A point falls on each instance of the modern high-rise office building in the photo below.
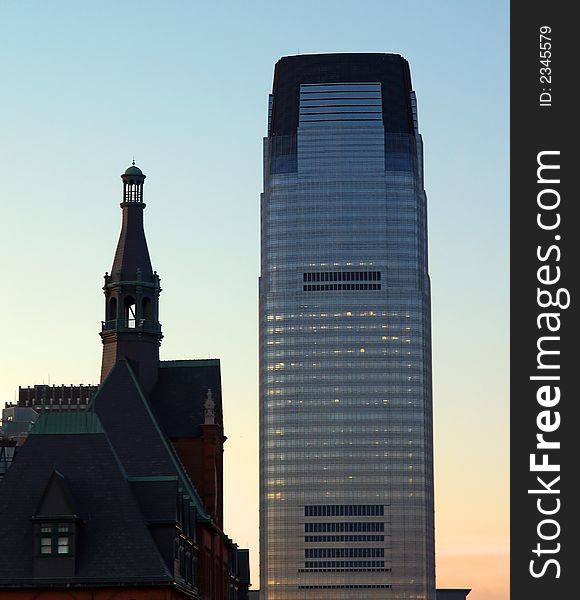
(346, 459)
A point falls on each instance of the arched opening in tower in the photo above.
(129, 315)
(112, 316)
(146, 309)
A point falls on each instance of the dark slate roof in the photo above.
(118, 474)
(157, 497)
(135, 434)
(114, 542)
(178, 399)
(130, 425)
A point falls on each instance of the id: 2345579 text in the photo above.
(545, 69)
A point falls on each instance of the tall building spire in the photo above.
(131, 329)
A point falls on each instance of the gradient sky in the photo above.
(182, 87)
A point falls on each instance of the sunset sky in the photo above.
(182, 86)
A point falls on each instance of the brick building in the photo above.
(56, 397)
(123, 499)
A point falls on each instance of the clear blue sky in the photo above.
(182, 87)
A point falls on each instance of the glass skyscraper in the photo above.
(346, 458)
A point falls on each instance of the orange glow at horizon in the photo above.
(487, 575)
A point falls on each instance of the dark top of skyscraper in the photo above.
(391, 70)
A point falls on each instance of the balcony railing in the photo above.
(137, 324)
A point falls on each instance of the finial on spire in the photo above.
(209, 409)
(133, 163)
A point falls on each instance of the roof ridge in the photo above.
(182, 473)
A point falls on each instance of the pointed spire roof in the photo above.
(132, 261)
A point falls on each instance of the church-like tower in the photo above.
(131, 329)
(142, 464)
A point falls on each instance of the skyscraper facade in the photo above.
(346, 459)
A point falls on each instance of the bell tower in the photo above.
(131, 329)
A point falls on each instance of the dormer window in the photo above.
(55, 539)
(56, 528)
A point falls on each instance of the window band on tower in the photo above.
(346, 527)
(316, 281)
(382, 586)
(335, 566)
(344, 510)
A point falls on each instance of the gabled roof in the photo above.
(57, 499)
(116, 544)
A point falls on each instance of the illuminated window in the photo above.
(46, 545)
(55, 539)
(63, 545)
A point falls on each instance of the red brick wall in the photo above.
(202, 458)
(213, 564)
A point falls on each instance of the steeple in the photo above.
(132, 255)
(131, 329)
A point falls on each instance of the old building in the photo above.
(14, 428)
(124, 499)
(56, 397)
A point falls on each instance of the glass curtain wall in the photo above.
(346, 477)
